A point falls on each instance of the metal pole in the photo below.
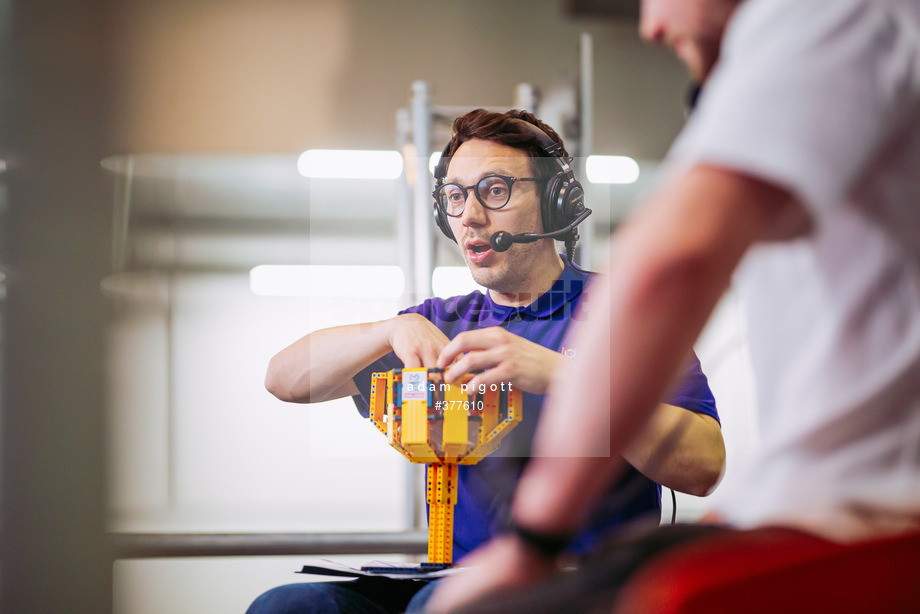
(123, 174)
(422, 224)
(404, 241)
(423, 244)
(586, 144)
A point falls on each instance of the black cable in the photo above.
(673, 506)
(570, 253)
(569, 242)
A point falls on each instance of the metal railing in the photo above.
(163, 545)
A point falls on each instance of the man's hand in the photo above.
(504, 356)
(502, 564)
(415, 340)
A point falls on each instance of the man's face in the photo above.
(691, 28)
(509, 271)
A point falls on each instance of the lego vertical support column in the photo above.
(442, 425)
(442, 496)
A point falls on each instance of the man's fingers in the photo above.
(472, 361)
(501, 374)
(430, 356)
(469, 341)
(424, 356)
(450, 351)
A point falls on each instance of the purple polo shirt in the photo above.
(486, 489)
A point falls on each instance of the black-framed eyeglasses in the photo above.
(492, 191)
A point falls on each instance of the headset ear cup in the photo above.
(440, 171)
(574, 202)
(573, 206)
(549, 204)
(563, 200)
(440, 219)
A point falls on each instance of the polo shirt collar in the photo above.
(568, 286)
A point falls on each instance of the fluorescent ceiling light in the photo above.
(453, 281)
(611, 169)
(334, 281)
(350, 164)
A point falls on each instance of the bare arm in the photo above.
(680, 449)
(671, 265)
(321, 365)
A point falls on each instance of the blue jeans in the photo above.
(361, 596)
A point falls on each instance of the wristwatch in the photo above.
(547, 545)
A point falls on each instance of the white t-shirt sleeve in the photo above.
(805, 94)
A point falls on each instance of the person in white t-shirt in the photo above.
(795, 178)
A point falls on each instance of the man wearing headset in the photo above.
(504, 190)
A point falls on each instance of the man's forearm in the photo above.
(319, 366)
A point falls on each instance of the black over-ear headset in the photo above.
(562, 204)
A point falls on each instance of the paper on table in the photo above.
(379, 569)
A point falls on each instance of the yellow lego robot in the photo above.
(442, 425)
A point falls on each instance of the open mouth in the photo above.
(477, 253)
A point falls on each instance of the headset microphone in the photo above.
(502, 240)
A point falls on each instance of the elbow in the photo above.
(705, 484)
(277, 383)
(273, 383)
(687, 452)
(709, 472)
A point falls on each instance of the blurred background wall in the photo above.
(287, 75)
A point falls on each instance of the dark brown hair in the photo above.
(505, 128)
